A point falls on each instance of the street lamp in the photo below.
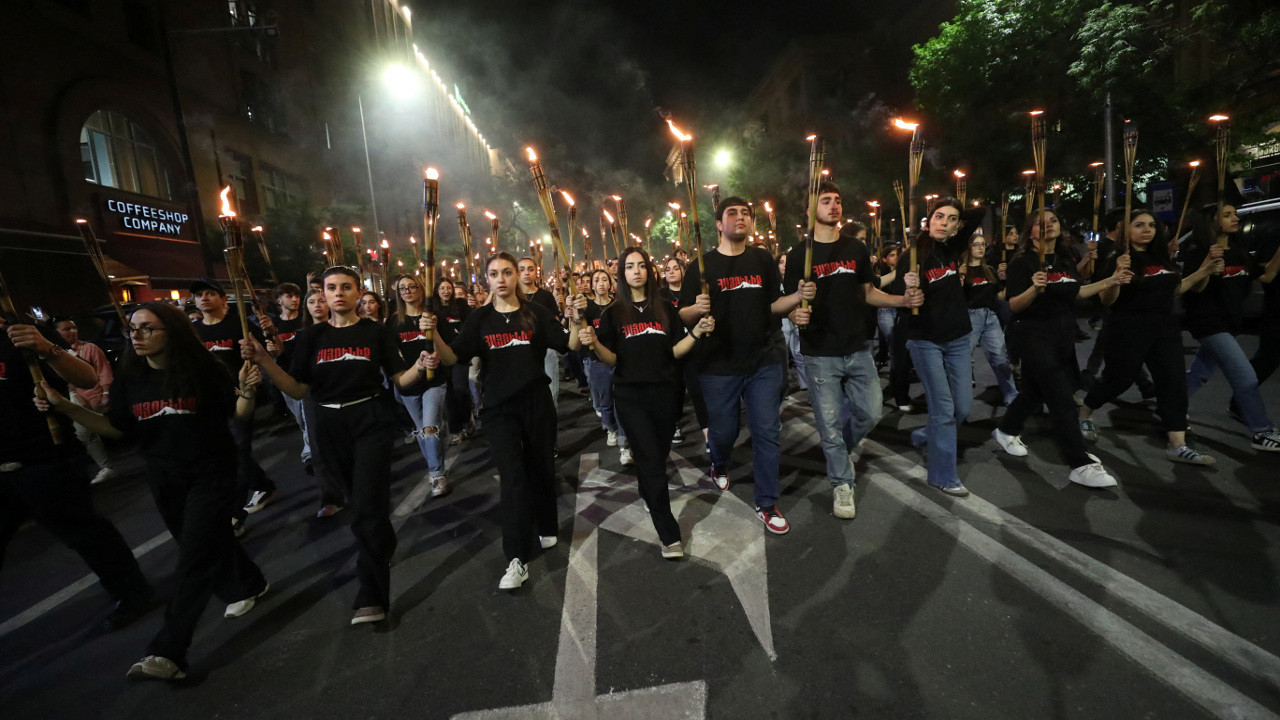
(723, 159)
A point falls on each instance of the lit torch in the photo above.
(817, 153)
(613, 233)
(689, 168)
(360, 260)
(773, 226)
(493, 228)
(464, 232)
(622, 215)
(385, 262)
(573, 222)
(430, 223)
(1191, 188)
(1039, 139)
(962, 186)
(231, 235)
(548, 207)
(1130, 157)
(915, 153)
(647, 245)
(1221, 144)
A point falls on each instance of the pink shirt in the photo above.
(96, 397)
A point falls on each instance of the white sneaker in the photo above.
(1092, 475)
(515, 575)
(611, 438)
(439, 486)
(236, 609)
(1011, 444)
(154, 667)
(547, 541)
(103, 475)
(842, 501)
(674, 551)
(624, 455)
(1266, 440)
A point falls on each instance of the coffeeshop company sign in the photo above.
(145, 217)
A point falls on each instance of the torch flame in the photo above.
(490, 215)
(646, 222)
(567, 198)
(256, 228)
(958, 173)
(385, 244)
(1037, 112)
(81, 221)
(433, 174)
(413, 240)
(904, 125)
(586, 234)
(873, 203)
(673, 206)
(226, 202)
(327, 236)
(676, 131)
(1095, 164)
(607, 216)
(1219, 118)
(767, 208)
(355, 229)
(1028, 172)
(811, 138)
(533, 157)
(461, 206)
(1195, 163)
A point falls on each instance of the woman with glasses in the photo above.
(451, 311)
(341, 365)
(427, 401)
(174, 397)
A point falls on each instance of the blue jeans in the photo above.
(600, 381)
(884, 321)
(761, 391)
(946, 372)
(427, 411)
(987, 333)
(791, 334)
(846, 397)
(1221, 350)
(295, 407)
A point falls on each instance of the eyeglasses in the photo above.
(143, 332)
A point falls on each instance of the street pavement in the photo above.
(1031, 598)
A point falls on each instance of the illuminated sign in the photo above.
(145, 217)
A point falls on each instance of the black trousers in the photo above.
(457, 397)
(1267, 359)
(648, 415)
(250, 476)
(1049, 377)
(692, 386)
(1132, 340)
(900, 365)
(194, 503)
(573, 359)
(55, 493)
(355, 443)
(522, 435)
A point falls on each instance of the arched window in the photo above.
(117, 152)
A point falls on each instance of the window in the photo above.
(244, 13)
(117, 152)
(280, 188)
(240, 177)
(257, 103)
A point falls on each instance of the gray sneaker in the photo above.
(842, 501)
(1186, 454)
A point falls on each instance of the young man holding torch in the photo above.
(844, 386)
(541, 296)
(742, 364)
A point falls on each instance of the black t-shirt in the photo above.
(643, 343)
(1219, 307)
(175, 431)
(1054, 309)
(1152, 289)
(592, 315)
(945, 314)
(412, 343)
(342, 364)
(26, 435)
(512, 355)
(1004, 254)
(223, 339)
(980, 291)
(838, 323)
(670, 297)
(286, 331)
(543, 297)
(742, 289)
(449, 317)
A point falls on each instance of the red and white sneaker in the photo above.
(720, 478)
(773, 520)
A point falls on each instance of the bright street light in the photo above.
(401, 80)
(724, 159)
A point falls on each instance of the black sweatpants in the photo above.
(194, 502)
(900, 365)
(692, 386)
(457, 399)
(521, 432)
(250, 476)
(648, 415)
(355, 442)
(1050, 376)
(55, 493)
(1131, 340)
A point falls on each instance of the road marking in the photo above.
(35, 611)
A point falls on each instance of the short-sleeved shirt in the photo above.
(838, 320)
(286, 331)
(592, 314)
(223, 339)
(1052, 311)
(449, 317)
(344, 364)
(25, 436)
(945, 314)
(512, 353)
(1219, 307)
(642, 342)
(175, 429)
(981, 290)
(1152, 289)
(742, 287)
(412, 342)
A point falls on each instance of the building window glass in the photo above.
(279, 188)
(117, 152)
(240, 177)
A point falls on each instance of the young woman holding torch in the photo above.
(511, 336)
(341, 364)
(451, 311)
(641, 338)
(1042, 332)
(600, 373)
(426, 404)
(1142, 329)
(175, 397)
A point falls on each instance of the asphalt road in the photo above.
(1031, 598)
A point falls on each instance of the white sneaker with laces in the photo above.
(240, 607)
(674, 551)
(624, 456)
(104, 475)
(1267, 440)
(1011, 444)
(842, 501)
(720, 478)
(547, 541)
(611, 438)
(1092, 475)
(154, 667)
(439, 486)
(1186, 454)
(515, 575)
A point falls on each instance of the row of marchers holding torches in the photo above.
(374, 262)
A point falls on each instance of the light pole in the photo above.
(400, 80)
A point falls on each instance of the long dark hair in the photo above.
(1205, 226)
(1025, 244)
(190, 369)
(1158, 248)
(307, 320)
(921, 238)
(382, 304)
(435, 303)
(527, 319)
(983, 267)
(626, 304)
